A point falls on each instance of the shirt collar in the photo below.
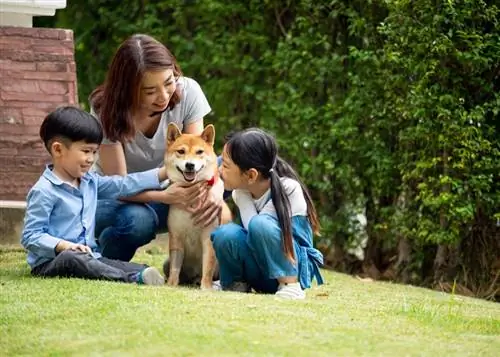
(49, 175)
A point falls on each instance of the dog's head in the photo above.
(190, 158)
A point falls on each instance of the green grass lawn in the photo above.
(344, 317)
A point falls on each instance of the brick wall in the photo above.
(37, 74)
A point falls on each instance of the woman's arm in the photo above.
(112, 160)
(196, 127)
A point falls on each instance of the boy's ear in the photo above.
(208, 134)
(56, 148)
(173, 133)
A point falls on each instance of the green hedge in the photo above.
(386, 108)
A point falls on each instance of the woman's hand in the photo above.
(185, 196)
(195, 199)
(208, 209)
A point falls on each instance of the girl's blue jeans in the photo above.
(256, 256)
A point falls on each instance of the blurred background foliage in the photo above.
(387, 109)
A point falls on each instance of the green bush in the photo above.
(386, 108)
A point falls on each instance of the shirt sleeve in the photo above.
(116, 186)
(298, 204)
(196, 103)
(35, 236)
(246, 207)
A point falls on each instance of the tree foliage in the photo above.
(386, 108)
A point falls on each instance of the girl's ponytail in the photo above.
(283, 169)
(283, 210)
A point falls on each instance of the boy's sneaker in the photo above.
(291, 291)
(150, 276)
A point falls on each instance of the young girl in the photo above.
(273, 251)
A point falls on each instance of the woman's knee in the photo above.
(133, 226)
(137, 221)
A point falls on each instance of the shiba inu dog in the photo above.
(190, 159)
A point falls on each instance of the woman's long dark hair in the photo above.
(115, 99)
(254, 148)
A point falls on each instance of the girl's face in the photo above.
(231, 174)
(156, 90)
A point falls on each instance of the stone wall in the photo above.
(37, 74)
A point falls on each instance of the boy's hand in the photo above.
(65, 245)
(80, 247)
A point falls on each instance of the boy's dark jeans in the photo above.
(75, 264)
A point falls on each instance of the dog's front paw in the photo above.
(207, 288)
(172, 281)
(206, 285)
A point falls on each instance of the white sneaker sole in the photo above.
(151, 276)
(291, 294)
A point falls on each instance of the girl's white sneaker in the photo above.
(291, 291)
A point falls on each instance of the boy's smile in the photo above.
(73, 161)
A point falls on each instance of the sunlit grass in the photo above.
(344, 317)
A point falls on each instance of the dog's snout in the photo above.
(189, 166)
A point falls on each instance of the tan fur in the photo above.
(191, 253)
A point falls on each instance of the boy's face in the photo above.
(73, 160)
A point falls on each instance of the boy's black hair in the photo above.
(70, 124)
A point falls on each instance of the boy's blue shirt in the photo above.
(56, 210)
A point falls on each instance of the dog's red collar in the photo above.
(212, 181)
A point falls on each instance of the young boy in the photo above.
(60, 215)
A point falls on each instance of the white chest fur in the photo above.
(192, 237)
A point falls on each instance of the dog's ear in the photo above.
(173, 133)
(208, 134)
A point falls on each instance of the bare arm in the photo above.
(112, 159)
(195, 127)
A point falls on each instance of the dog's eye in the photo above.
(181, 151)
(199, 152)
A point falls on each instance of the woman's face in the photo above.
(156, 90)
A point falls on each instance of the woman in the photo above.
(144, 91)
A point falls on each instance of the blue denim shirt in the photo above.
(56, 210)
